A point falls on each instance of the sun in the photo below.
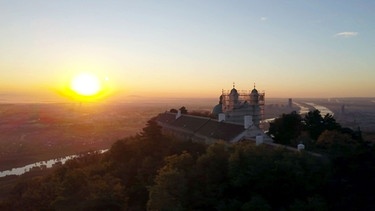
(86, 84)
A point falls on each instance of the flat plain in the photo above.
(37, 132)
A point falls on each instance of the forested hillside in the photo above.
(153, 172)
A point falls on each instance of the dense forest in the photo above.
(151, 171)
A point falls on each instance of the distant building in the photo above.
(237, 104)
(239, 115)
(290, 103)
(208, 130)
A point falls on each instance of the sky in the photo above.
(288, 48)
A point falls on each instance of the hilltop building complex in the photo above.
(234, 105)
(239, 115)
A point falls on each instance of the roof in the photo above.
(221, 130)
(202, 126)
(166, 117)
(191, 123)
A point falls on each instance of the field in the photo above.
(36, 132)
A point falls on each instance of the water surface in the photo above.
(43, 164)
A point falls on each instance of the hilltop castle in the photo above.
(239, 116)
(234, 105)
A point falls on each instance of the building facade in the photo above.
(208, 130)
(234, 105)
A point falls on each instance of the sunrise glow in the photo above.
(86, 84)
(86, 87)
(190, 49)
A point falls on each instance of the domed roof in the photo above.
(254, 91)
(233, 91)
(217, 109)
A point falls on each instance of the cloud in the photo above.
(346, 34)
(263, 18)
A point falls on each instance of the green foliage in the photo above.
(270, 173)
(170, 189)
(211, 174)
(183, 110)
(286, 128)
(235, 177)
(152, 131)
(256, 203)
(312, 204)
(334, 139)
(316, 124)
(291, 129)
(153, 172)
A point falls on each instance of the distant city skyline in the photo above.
(289, 48)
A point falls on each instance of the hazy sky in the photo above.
(289, 48)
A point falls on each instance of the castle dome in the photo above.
(217, 109)
(254, 96)
(233, 91)
(254, 91)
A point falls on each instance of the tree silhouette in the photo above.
(315, 124)
(142, 172)
(183, 110)
(152, 131)
(286, 127)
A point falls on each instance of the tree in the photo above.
(170, 189)
(183, 110)
(279, 176)
(313, 203)
(337, 143)
(353, 172)
(330, 122)
(212, 170)
(152, 130)
(286, 127)
(315, 124)
(256, 203)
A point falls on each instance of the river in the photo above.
(47, 164)
(303, 110)
(323, 110)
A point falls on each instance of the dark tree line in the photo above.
(239, 177)
(183, 110)
(291, 129)
(151, 171)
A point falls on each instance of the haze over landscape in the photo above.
(187, 105)
(190, 49)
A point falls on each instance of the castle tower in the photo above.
(233, 98)
(254, 97)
